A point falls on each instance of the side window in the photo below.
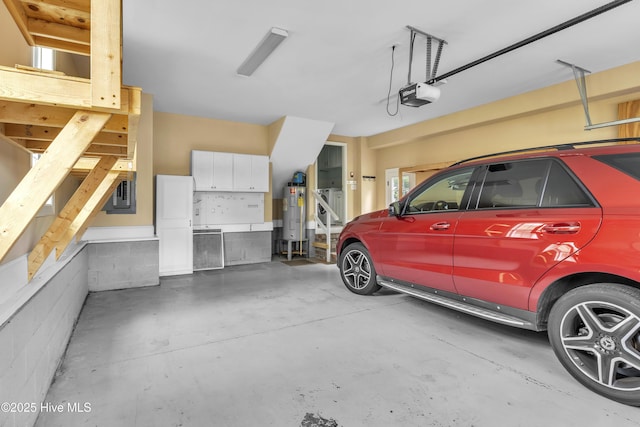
(445, 193)
(514, 184)
(530, 184)
(562, 190)
(628, 163)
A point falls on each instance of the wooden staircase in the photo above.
(321, 247)
(83, 127)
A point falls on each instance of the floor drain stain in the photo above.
(313, 420)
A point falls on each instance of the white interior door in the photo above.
(174, 214)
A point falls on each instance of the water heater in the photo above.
(294, 213)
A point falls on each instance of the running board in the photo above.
(458, 305)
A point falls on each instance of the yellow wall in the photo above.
(369, 168)
(547, 116)
(14, 48)
(144, 176)
(176, 135)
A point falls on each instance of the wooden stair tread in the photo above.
(58, 25)
(83, 126)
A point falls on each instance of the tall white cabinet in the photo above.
(174, 223)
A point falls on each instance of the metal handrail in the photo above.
(329, 213)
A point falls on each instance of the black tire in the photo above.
(594, 331)
(357, 270)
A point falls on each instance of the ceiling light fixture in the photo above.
(269, 43)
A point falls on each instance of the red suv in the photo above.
(544, 240)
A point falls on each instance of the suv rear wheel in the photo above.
(357, 270)
(595, 332)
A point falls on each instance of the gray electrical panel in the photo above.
(123, 199)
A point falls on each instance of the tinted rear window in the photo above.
(530, 183)
(562, 190)
(628, 163)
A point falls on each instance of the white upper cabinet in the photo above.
(216, 171)
(242, 179)
(250, 173)
(260, 173)
(212, 171)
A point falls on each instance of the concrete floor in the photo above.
(275, 345)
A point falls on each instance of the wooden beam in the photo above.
(43, 88)
(48, 133)
(56, 31)
(133, 122)
(125, 167)
(79, 5)
(629, 110)
(71, 210)
(92, 150)
(62, 91)
(16, 143)
(76, 13)
(106, 53)
(46, 115)
(39, 183)
(89, 211)
(62, 45)
(426, 167)
(86, 164)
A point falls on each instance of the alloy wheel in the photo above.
(356, 269)
(603, 341)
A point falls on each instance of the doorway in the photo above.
(393, 190)
(331, 179)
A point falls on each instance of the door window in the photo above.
(445, 193)
(562, 190)
(529, 184)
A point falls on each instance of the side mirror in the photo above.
(395, 209)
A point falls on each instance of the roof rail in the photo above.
(557, 147)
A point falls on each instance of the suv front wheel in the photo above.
(357, 270)
(595, 332)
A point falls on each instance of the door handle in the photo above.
(440, 226)
(561, 228)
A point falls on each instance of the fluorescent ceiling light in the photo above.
(269, 43)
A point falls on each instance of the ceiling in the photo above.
(335, 65)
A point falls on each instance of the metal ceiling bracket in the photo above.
(579, 74)
(430, 73)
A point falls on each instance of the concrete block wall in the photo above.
(34, 339)
(125, 264)
(247, 248)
